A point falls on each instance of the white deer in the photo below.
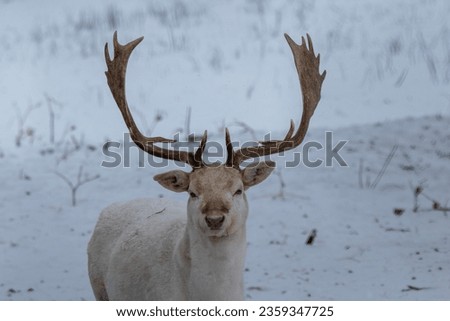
(155, 249)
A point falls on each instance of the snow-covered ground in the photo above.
(386, 90)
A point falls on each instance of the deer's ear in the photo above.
(177, 181)
(257, 172)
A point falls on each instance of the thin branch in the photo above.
(70, 146)
(385, 166)
(361, 173)
(74, 186)
(50, 102)
(311, 237)
(187, 125)
(436, 206)
(281, 194)
(21, 120)
(149, 127)
(439, 209)
(245, 128)
(65, 179)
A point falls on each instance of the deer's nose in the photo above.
(214, 222)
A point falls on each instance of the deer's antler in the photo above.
(311, 80)
(115, 75)
(307, 64)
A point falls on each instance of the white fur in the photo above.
(156, 249)
(142, 250)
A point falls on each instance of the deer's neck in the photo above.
(212, 268)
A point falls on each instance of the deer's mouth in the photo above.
(215, 235)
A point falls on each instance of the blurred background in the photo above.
(227, 61)
(213, 64)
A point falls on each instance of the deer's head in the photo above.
(217, 203)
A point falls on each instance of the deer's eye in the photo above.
(192, 194)
(238, 192)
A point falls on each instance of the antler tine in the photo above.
(287, 137)
(290, 131)
(311, 80)
(116, 74)
(307, 65)
(198, 161)
(230, 151)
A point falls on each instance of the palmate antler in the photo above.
(115, 75)
(311, 80)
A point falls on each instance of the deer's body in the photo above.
(161, 250)
(157, 249)
(148, 254)
(132, 250)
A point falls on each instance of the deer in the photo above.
(159, 249)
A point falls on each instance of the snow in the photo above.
(387, 83)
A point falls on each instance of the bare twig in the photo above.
(436, 206)
(414, 288)
(158, 117)
(281, 194)
(149, 127)
(311, 237)
(74, 186)
(187, 125)
(402, 230)
(67, 130)
(417, 191)
(188, 135)
(361, 173)
(51, 112)
(445, 210)
(245, 128)
(383, 169)
(23, 132)
(70, 146)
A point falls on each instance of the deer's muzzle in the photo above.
(215, 222)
